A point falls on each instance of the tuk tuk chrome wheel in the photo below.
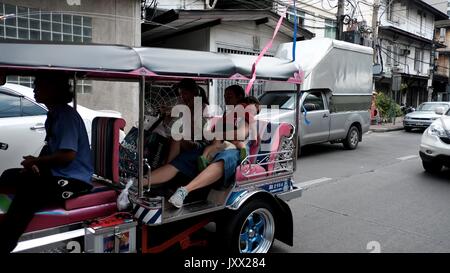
(250, 229)
(257, 232)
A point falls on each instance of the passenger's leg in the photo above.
(175, 148)
(207, 177)
(210, 175)
(162, 175)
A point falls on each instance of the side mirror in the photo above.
(309, 106)
(439, 110)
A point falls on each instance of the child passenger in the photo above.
(234, 143)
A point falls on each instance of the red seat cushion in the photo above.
(101, 202)
(91, 199)
(58, 216)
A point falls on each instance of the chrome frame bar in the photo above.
(141, 137)
(296, 125)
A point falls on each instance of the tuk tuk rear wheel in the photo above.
(251, 229)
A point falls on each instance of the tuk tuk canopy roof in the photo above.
(128, 62)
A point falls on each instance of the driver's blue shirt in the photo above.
(66, 131)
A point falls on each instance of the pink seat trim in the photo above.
(250, 171)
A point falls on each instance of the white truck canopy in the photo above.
(342, 67)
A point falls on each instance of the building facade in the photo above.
(227, 27)
(442, 67)
(406, 50)
(85, 22)
(317, 17)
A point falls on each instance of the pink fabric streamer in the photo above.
(261, 54)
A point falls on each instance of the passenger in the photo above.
(251, 105)
(63, 169)
(222, 166)
(189, 90)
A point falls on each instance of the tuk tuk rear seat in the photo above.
(101, 201)
(268, 140)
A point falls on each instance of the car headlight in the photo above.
(437, 130)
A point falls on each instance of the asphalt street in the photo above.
(376, 198)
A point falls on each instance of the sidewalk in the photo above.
(388, 127)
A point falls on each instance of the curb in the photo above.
(384, 130)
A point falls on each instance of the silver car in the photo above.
(424, 115)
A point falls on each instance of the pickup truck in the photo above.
(336, 93)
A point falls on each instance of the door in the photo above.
(22, 129)
(315, 118)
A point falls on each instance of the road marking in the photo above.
(407, 157)
(309, 183)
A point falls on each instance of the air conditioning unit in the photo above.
(405, 52)
(397, 69)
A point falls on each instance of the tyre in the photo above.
(352, 139)
(251, 229)
(432, 167)
(408, 129)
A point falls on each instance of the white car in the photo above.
(435, 144)
(22, 124)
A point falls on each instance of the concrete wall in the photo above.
(406, 62)
(113, 22)
(181, 4)
(406, 17)
(315, 14)
(196, 40)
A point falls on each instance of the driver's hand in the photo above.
(30, 163)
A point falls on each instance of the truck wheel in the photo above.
(251, 229)
(432, 167)
(352, 139)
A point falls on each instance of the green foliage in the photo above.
(404, 87)
(387, 107)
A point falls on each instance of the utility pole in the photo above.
(340, 19)
(376, 8)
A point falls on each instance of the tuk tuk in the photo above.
(249, 214)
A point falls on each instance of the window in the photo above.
(282, 100)
(35, 24)
(330, 29)
(390, 9)
(389, 55)
(418, 60)
(300, 16)
(396, 55)
(9, 106)
(314, 101)
(31, 109)
(442, 34)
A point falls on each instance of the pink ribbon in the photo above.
(261, 54)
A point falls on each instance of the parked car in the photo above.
(424, 115)
(22, 124)
(435, 144)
